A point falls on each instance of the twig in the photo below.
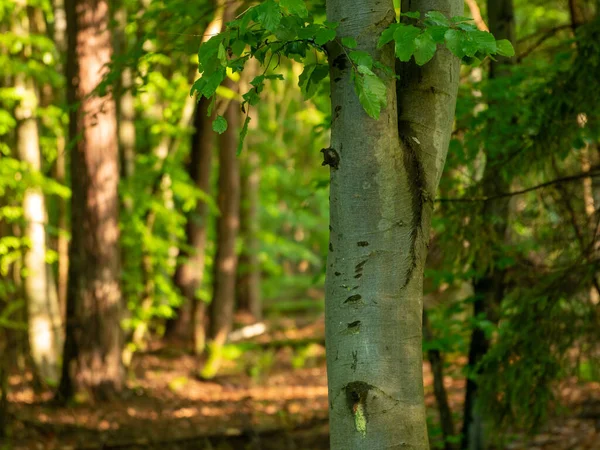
(522, 191)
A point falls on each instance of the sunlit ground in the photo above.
(272, 394)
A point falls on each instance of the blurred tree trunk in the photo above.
(248, 285)
(94, 339)
(225, 263)
(191, 314)
(124, 99)
(4, 368)
(384, 175)
(581, 12)
(44, 321)
(189, 323)
(489, 287)
(439, 390)
(248, 290)
(58, 32)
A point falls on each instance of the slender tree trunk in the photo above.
(189, 323)
(580, 11)
(124, 100)
(59, 34)
(5, 352)
(384, 175)
(44, 321)
(225, 263)
(248, 291)
(94, 339)
(4, 367)
(490, 286)
(192, 314)
(441, 396)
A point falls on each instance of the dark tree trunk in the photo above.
(248, 286)
(441, 396)
(490, 286)
(92, 356)
(189, 323)
(248, 292)
(225, 265)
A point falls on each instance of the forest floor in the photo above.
(272, 395)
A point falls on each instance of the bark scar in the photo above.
(418, 190)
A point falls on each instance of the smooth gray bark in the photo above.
(384, 174)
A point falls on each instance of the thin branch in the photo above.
(543, 38)
(476, 13)
(522, 191)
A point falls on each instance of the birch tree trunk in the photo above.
(384, 174)
(44, 318)
(94, 339)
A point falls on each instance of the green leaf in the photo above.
(387, 35)
(222, 55)
(361, 58)
(297, 7)
(208, 84)
(243, 134)
(269, 15)
(208, 53)
(405, 36)
(310, 78)
(437, 18)
(454, 42)
(411, 14)
(485, 41)
(468, 27)
(219, 125)
(425, 48)
(324, 35)
(371, 91)
(437, 33)
(238, 46)
(349, 42)
(505, 48)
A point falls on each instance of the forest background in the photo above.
(209, 252)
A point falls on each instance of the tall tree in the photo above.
(190, 320)
(489, 286)
(225, 262)
(384, 175)
(248, 287)
(388, 147)
(44, 318)
(92, 356)
(189, 274)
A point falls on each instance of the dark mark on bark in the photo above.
(358, 275)
(330, 158)
(356, 397)
(340, 62)
(353, 299)
(418, 189)
(354, 360)
(362, 244)
(330, 247)
(337, 274)
(354, 327)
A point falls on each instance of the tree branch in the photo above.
(567, 179)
